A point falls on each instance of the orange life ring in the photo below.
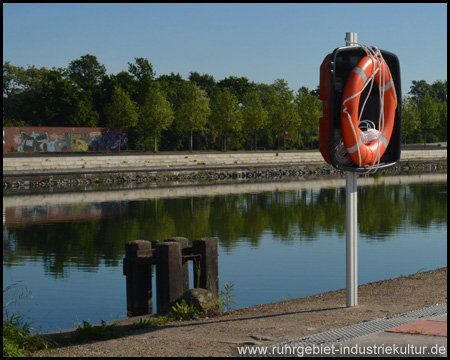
(360, 153)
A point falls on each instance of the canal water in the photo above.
(277, 241)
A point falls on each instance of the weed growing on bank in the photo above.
(18, 336)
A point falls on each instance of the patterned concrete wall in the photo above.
(56, 139)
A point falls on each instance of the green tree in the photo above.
(226, 115)
(60, 103)
(193, 111)
(22, 94)
(410, 118)
(309, 109)
(205, 82)
(124, 80)
(89, 75)
(440, 89)
(86, 72)
(443, 121)
(266, 135)
(421, 88)
(12, 84)
(143, 75)
(239, 86)
(432, 112)
(121, 112)
(156, 114)
(171, 85)
(254, 115)
(86, 114)
(429, 116)
(283, 114)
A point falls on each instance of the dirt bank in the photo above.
(272, 323)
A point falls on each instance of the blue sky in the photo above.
(262, 42)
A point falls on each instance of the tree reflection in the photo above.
(287, 216)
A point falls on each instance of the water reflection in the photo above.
(88, 235)
(276, 240)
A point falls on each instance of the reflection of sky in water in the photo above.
(275, 271)
(273, 268)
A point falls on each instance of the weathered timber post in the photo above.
(207, 266)
(184, 243)
(172, 271)
(169, 279)
(138, 270)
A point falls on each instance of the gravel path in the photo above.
(271, 323)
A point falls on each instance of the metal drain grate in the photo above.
(358, 330)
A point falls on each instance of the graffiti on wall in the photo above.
(36, 142)
(108, 140)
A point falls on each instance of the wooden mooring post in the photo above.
(137, 267)
(207, 266)
(172, 271)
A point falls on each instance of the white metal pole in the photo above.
(351, 214)
(351, 38)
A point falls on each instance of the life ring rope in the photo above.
(358, 139)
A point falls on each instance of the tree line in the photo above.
(170, 113)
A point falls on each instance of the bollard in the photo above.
(138, 270)
(207, 266)
(184, 243)
(172, 271)
(169, 274)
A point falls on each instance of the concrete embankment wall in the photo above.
(112, 162)
(25, 174)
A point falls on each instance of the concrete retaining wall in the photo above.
(48, 163)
